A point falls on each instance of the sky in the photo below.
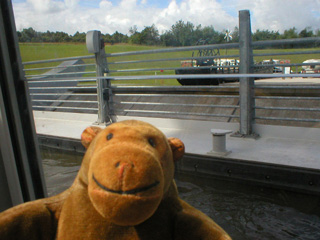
(109, 16)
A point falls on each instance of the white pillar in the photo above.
(219, 142)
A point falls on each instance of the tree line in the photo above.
(180, 34)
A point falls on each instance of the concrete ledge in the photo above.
(287, 146)
(67, 125)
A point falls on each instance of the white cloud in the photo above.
(204, 12)
(105, 4)
(128, 4)
(71, 3)
(285, 14)
(279, 15)
(71, 15)
(45, 6)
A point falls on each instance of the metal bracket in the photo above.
(106, 94)
(254, 136)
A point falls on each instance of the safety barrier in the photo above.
(68, 86)
(227, 87)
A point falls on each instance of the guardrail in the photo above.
(132, 84)
(68, 86)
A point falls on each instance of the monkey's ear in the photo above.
(177, 148)
(88, 135)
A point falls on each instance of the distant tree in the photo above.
(135, 36)
(183, 33)
(19, 36)
(29, 35)
(197, 34)
(290, 33)
(48, 37)
(150, 36)
(62, 37)
(220, 37)
(307, 32)
(119, 38)
(235, 35)
(133, 30)
(180, 34)
(79, 37)
(265, 35)
(107, 38)
(167, 39)
(210, 34)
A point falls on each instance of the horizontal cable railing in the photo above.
(63, 84)
(148, 83)
(146, 104)
(57, 67)
(176, 49)
(58, 60)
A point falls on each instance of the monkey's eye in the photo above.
(109, 136)
(152, 142)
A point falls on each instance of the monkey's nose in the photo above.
(122, 167)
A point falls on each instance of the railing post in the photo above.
(95, 45)
(246, 90)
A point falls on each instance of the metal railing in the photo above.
(145, 83)
(68, 86)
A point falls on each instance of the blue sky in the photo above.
(109, 16)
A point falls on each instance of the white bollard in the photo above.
(219, 142)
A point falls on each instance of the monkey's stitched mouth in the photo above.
(127, 192)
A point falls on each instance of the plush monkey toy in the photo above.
(124, 190)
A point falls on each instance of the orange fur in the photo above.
(124, 190)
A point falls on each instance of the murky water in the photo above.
(248, 212)
(245, 212)
(60, 168)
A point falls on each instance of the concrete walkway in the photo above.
(289, 146)
(292, 81)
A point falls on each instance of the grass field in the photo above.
(42, 51)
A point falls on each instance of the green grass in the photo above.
(42, 51)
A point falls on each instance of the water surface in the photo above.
(244, 211)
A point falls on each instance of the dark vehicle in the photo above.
(208, 61)
(202, 62)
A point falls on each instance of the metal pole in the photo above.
(101, 86)
(95, 45)
(246, 83)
